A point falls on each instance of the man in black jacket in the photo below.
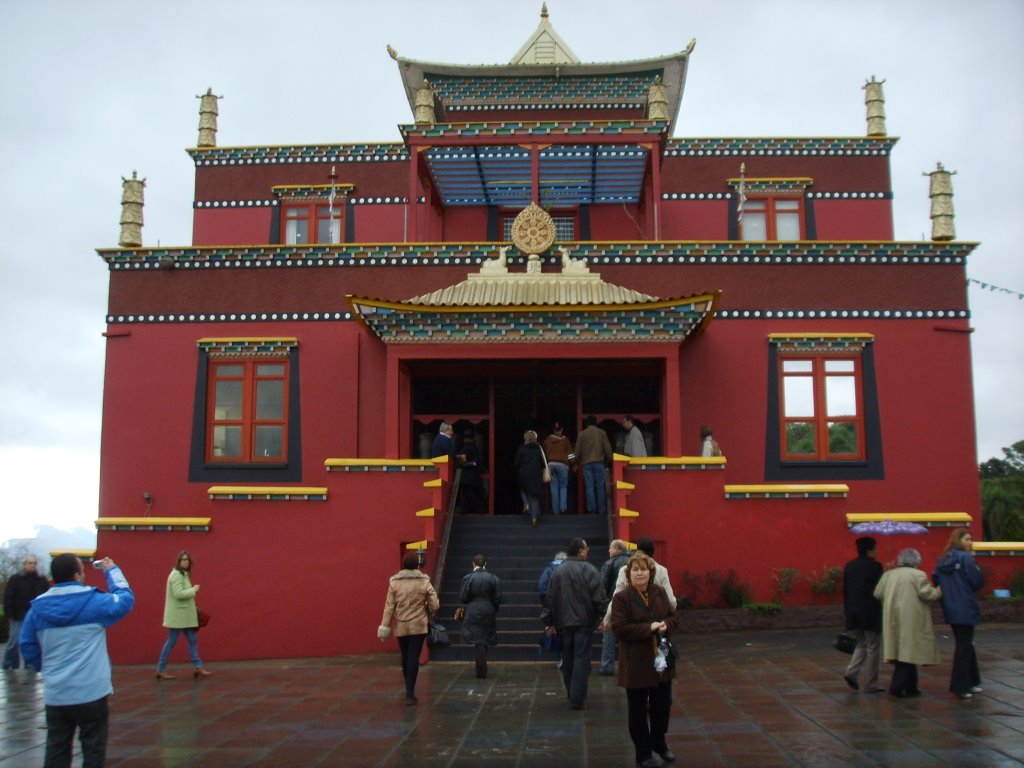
(575, 603)
(618, 554)
(863, 614)
(22, 588)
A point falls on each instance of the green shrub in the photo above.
(825, 582)
(765, 609)
(1016, 585)
(784, 579)
(736, 593)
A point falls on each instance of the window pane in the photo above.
(839, 366)
(798, 396)
(797, 366)
(787, 226)
(565, 228)
(228, 370)
(267, 442)
(329, 230)
(269, 399)
(843, 438)
(270, 369)
(787, 205)
(840, 396)
(228, 401)
(227, 441)
(296, 231)
(753, 225)
(800, 438)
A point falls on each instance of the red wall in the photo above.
(232, 226)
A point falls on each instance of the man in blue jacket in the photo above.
(64, 637)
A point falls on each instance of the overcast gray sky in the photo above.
(93, 89)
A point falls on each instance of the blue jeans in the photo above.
(532, 502)
(172, 639)
(12, 657)
(559, 486)
(576, 653)
(593, 481)
(608, 646)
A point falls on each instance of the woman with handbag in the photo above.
(643, 620)
(410, 602)
(181, 615)
(481, 596)
(531, 466)
(558, 450)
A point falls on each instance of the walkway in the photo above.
(743, 699)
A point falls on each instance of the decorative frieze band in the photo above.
(248, 346)
(317, 153)
(858, 145)
(808, 195)
(350, 201)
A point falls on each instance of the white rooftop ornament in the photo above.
(544, 46)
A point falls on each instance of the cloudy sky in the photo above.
(94, 89)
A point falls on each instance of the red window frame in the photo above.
(826, 441)
(313, 214)
(242, 427)
(771, 212)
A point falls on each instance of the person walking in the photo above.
(481, 594)
(64, 637)
(634, 444)
(708, 445)
(908, 637)
(559, 451)
(641, 617)
(594, 452)
(575, 602)
(529, 464)
(959, 577)
(471, 484)
(22, 588)
(181, 615)
(863, 614)
(618, 554)
(659, 573)
(410, 602)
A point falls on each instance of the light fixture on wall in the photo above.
(148, 498)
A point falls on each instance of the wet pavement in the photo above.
(741, 699)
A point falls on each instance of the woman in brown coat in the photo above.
(411, 601)
(641, 617)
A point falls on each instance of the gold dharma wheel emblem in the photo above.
(533, 231)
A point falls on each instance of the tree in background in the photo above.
(1002, 495)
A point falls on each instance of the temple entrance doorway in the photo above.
(499, 400)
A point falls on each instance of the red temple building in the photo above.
(537, 245)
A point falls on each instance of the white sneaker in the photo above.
(976, 689)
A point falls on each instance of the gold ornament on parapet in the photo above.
(533, 231)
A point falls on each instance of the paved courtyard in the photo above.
(757, 699)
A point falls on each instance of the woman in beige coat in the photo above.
(908, 637)
(410, 602)
(181, 615)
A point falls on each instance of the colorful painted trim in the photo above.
(990, 548)
(927, 519)
(623, 512)
(809, 195)
(312, 191)
(428, 512)
(843, 314)
(565, 91)
(662, 463)
(820, 342)
(788, 491)
(380, 465)
(248, 346)
(316, 153)
(260, 493)
(153, 523)
(418, 545)
(857, 145)
(411, 324)
(349, 201)
(765, 186)
(596, 253)
(515, 129)
(85, 555)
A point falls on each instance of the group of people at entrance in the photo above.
(889, 614)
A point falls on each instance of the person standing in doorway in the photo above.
(559, 451)
(444, 443)
(634, 445)
(575, 602)
(64, 637)
(481, 594)
(22, 588)
(471, 486)
(863, 615)
(594, 452)
(959, 577)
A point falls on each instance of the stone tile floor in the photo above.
(757, 699)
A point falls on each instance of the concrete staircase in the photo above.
(516, 553)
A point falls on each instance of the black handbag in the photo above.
(844, 643)
(437, 636)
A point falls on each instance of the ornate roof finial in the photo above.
(423, 112)
(940, 190)
(392, 53)
(874, 100)
(132, 202)
(208, 119)
(545, 46)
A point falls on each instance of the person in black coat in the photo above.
(863, 615)
(471, 486)
(529, 465)
(481, 594)
(22, 588)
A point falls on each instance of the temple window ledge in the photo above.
(927, 519)
(788, 491)
(264, 493)
(989, 548)
(384, 465)
(153, 523)
(659, 463)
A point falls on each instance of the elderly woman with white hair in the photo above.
(908, 637)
